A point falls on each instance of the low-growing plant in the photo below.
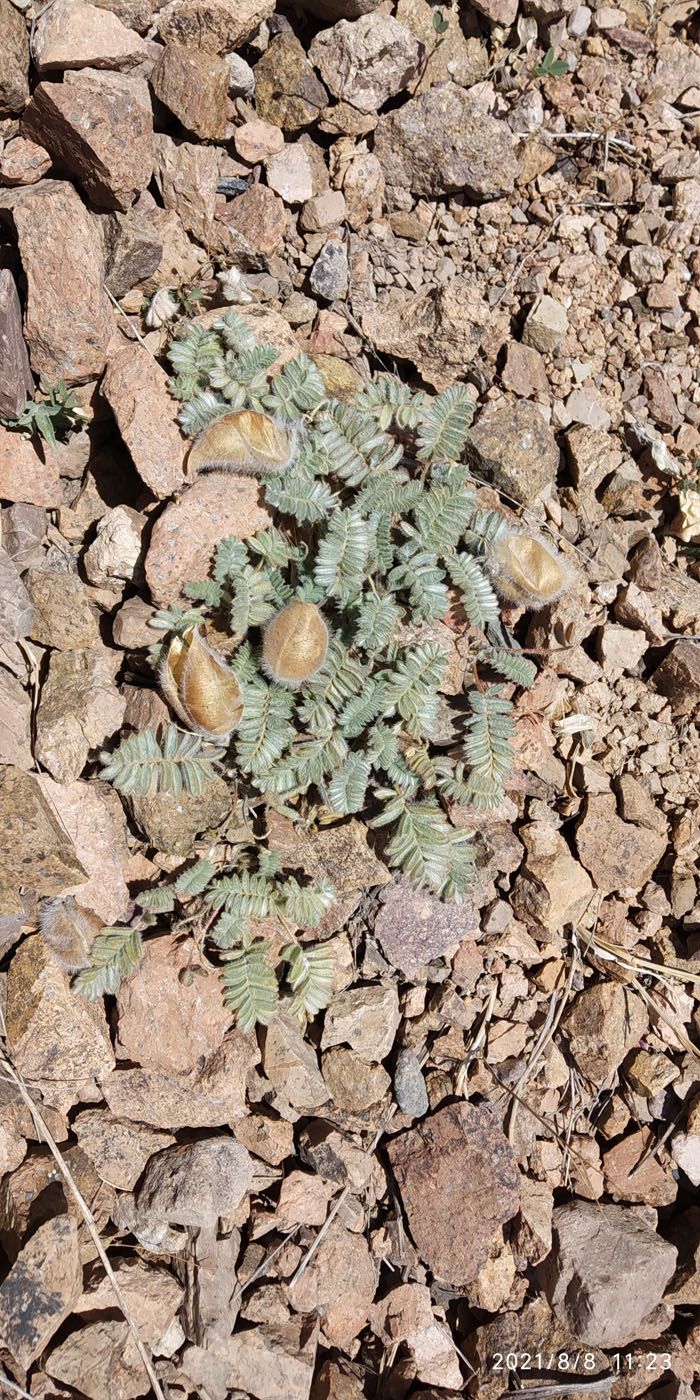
(57, 413)
(326, 708)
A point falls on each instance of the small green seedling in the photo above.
(551, 67)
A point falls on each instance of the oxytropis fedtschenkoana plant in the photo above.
(323, 709)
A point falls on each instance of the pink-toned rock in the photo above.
(217, 26)
(193, 85)
(80, 707)
(31, 839)
(23, 162)
(136, 389)
(210, 1097)
(339, 1285)
(459, 1182)
(100, 127)
(74, 34)
(187, 173)
(40, 1290)
(94, 818)
(618, 854)
(118, 1148)
(185, 536)
(68, 320)
(15, 723)
(290, 175)
(650, 1184)
(414, 926)
(163, 1023)
(130, 628)
(406, 1315)
(258, 140)
(524, 372)
(678, 677)
(48, 1025)
(100, 1361)
(14, 69)
(151, 1293)
(366, 61)
(259, 215)
(274, 1361)
(303, 1200)
(602, 1024)
(28, 471)
(323, 210)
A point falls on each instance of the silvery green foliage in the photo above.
(376, 522)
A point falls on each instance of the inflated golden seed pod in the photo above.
(199, 686)
(295, 644)
(247, 443)
(69, 931)
(527, 570)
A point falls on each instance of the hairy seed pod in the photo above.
(199, 686)
(69, 931)
(295, 644)
(246, 443)
(527, 570)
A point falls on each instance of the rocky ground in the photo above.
(479, 1169)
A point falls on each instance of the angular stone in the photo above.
(14, 60)
(164, 1023)
(133, 251)
(185, 536)
(68, 321)
(187, 175)
(455, 59)
(196, 1184)
(92, 815)
(602, 1024)
(440, 330)
(546, 325)
(28, 471)
(257, 141)
(406, 1315)
(101, 1360)
(212, 1097)
(436, 144)
(40, 1290)
(136, 389)
(678, 677)
(270, 1138)
(323, 210)
(287, 91)
(367, 61)
(596, 1250)
(329, 274)
(216, 26)
(268, 1362)
(193, 85)
(16, 383)
(617, 854)
(116, 553)
(117, 1148)
(414, 927)
(593, 455)
(80, 707)
(150, 1293)
(524, 373)
(290, 1064)
(100, 127)
(552, 889)
(513, 446)
(63, 617)
(338, 1285)
(15, 723)
(409, 1085)
(289, 174)
(48, 1025)
(173, 823)
(35, 851)
(74, 34)
(130, 628)
(459, 1183)
(16, 611)
(627, 1180)
(259, 215)
(353, 1083)
(365, 1018)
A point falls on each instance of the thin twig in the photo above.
(16, 1389)
(128, 320)
(45, 1135)
(582, 136)
(543, 1392)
